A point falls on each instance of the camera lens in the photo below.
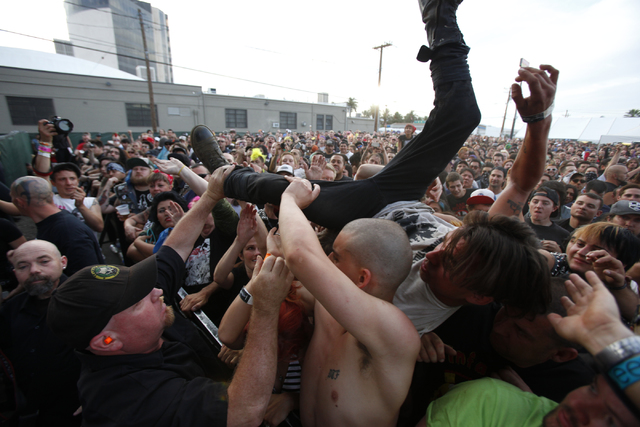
(65, 125)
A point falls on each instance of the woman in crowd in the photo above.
(608, 250)
(165, 211)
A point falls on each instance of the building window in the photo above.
(288, 120)
(27, 111)
(320, 122)
(140, 115)
(235, 118)
(328, 122)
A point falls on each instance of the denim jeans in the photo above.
(407, 176)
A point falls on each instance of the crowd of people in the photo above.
(355, 278)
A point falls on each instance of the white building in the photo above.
(108, 32)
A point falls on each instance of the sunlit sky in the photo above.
(327, 46)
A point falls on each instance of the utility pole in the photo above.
(504, 118)
(377, 115)
(152, 107)
(513, 124)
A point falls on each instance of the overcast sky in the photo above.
(327, 46)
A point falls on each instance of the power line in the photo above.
(169, 64)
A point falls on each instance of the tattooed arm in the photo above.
(529, 165)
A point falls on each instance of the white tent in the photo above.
(601, 130)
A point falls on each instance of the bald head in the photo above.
(38, 266)
(616, 172)
(31, 191)
(31, 246)
(382, 247)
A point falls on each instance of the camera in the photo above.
(63, 126)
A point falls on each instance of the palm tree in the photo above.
(386, 117)
(410, 117)
(633, 113)
(397, 118)
(352, 104)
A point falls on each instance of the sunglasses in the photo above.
(579, 181)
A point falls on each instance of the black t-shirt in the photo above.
(168, 387)
(403, 140)
(565, 223)
(610, 187)
(74, 239)
(459, 205)
(46, 368)
(553, 232)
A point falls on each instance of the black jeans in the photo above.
(407, 176)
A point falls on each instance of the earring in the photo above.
(108, 340)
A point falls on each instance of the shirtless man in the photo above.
(358, 366)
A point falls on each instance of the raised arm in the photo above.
(529, 164)
(189, 228)
(593, 321)
(42, 163)
(175, 167)
(246, 229)
(376, 323)
(250, 390)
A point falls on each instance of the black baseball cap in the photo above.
(83, 305)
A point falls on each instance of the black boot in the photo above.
(441, 26)
(206, 147)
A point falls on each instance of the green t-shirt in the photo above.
(488, 402)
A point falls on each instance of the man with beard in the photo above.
(135, 190)
(33, 198)
(46, 368)
(140, 368)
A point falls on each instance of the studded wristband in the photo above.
(617, 352)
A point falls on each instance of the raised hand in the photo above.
(171, 166)
(542, 85)
(247, 225)
(593, 319)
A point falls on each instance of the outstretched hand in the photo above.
(593, 318)
(247, 225)
(301, 190)
(542, 85)
(171, 166)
